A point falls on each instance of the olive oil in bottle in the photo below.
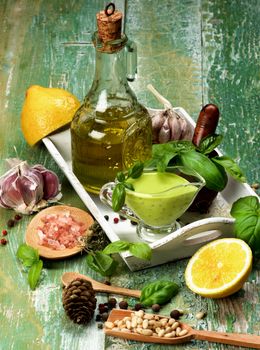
(111, 130)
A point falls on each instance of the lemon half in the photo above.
(220, 268)
(46, 110)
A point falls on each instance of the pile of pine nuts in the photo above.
(148, 324)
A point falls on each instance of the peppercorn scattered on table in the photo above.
(194, 52)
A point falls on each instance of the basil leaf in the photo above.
(116, 247)
(181, 146)
(209, 143)
(245, 206)
(159, 292)
(246, 211)
(141, 250)
(120, 176)
(163, 153)
(27, 255)
(118, 197)
(129, 186)
(34, 274)
(101, 263)
(136, 170)
(230, 166)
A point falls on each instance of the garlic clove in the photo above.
(165, 132)
(30, 184)
(10, 194)
(51, 184)
(174, 123)
(157, 123)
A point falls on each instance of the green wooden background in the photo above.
(193, 52)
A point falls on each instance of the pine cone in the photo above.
(79, 302)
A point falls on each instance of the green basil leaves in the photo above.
(159, 292)
(246, 212)
(103, 263)
(30, 259)
(119, 193)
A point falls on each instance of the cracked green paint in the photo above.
(193, 52)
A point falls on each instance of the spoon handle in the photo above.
(246, 340)
(117, 290)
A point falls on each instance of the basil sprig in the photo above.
(159, 292)
(246, 212)
(119, 193)
(170, 154)
(103, 263)
(31, 261)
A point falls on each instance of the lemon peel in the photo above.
(45, 110)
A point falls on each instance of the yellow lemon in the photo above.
(46, 110)
(220, 268)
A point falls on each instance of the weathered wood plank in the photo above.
(49, 43)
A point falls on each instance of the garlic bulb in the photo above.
(168, 125)
(28, 189)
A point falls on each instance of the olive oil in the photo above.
(107, 143)
(111, 130)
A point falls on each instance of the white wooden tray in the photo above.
(198, 228)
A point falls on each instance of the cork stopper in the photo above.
(109, 23)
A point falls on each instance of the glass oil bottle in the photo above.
(111, 130)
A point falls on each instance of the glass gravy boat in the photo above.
(158, 200)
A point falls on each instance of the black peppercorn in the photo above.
(104, 316)
(112, 303)
(98, 318)
(138, 307)
(10, 223)
(100, 325)
(123, 304)
(106, 217)
(156, 307)
(175, 314)
(133, 223)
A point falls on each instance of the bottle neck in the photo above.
(110, 72)
(110, 87)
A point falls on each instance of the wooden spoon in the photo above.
(67, 277)
(246, 340)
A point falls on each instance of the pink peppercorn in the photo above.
(3, 241)
(116, 220)
(4, 232)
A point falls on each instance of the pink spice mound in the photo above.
(60, 231)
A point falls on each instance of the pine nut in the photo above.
(161, 333)
(183, 332)
(139, 320)
(139, 313)
(175, 325)
(178, 330)
(169, 335)
(148, 316)
(109, 325)
(168, 330)
(200, 315)
(128, 324)
(145, 324)
(146, 331)
(171, 321)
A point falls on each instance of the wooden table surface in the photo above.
(193, 52)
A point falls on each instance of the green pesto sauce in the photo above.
(160, 198)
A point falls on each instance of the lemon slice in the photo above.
(220, 268)
(46, 110)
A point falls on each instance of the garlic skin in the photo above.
(28, 189)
